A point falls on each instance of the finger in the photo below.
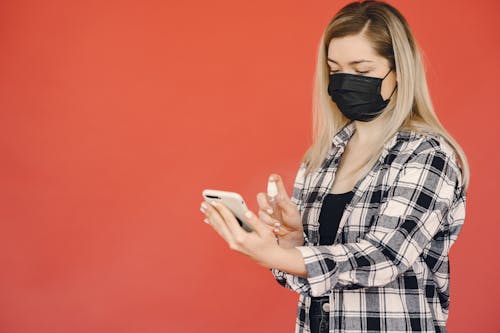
(257, 225)
(267, 219)
(230, 221)
(283, 198)
(282, 193)
(264, 203)
(216, 220)
(270, 226)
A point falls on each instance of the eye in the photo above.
(362, 72)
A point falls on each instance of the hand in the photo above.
(260, 245)
(286, 222)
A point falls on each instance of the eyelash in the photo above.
(364, 72)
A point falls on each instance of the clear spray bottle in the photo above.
(272, 194)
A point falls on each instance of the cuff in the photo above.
(322, 269)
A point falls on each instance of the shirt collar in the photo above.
(345, 133)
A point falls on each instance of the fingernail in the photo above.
(204, 205)
(214, 203)
(277, 224)
(276, 230)
(206, 221)
(248, 214)
(269, 211)
(202, 210)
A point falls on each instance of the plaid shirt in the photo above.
(388, 269)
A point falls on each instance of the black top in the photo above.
(330, 215)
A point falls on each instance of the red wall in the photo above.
(115, 115)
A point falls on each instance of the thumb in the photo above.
(255, 223)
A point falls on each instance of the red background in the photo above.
(115, 115)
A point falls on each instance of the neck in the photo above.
(367, 132)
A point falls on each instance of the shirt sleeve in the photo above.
(286, 280)
(413, 213)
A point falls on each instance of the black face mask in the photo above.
(357, 96)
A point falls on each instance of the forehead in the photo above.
(346, 49)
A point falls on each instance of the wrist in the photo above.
(276, 256)
(300, 238)
(290, 261)
(292, 240)
(297, 239)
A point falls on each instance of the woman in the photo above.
(379, 197)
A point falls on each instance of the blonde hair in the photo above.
(410, 107)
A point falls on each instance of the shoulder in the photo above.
(418, 143)
(429, 150)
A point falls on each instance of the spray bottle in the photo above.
(272, 193)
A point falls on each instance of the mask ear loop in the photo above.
(390, 70)
(393, 90)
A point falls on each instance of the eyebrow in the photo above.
(352, 62)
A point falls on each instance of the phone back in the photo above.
(232, 200)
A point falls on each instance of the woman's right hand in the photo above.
(286, 220)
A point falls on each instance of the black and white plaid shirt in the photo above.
(388, 270)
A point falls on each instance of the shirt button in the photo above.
(319, 197)
(326, 307)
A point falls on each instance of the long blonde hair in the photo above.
(410, 107)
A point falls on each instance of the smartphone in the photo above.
(231, 200)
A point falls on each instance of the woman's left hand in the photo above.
(260, 245)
